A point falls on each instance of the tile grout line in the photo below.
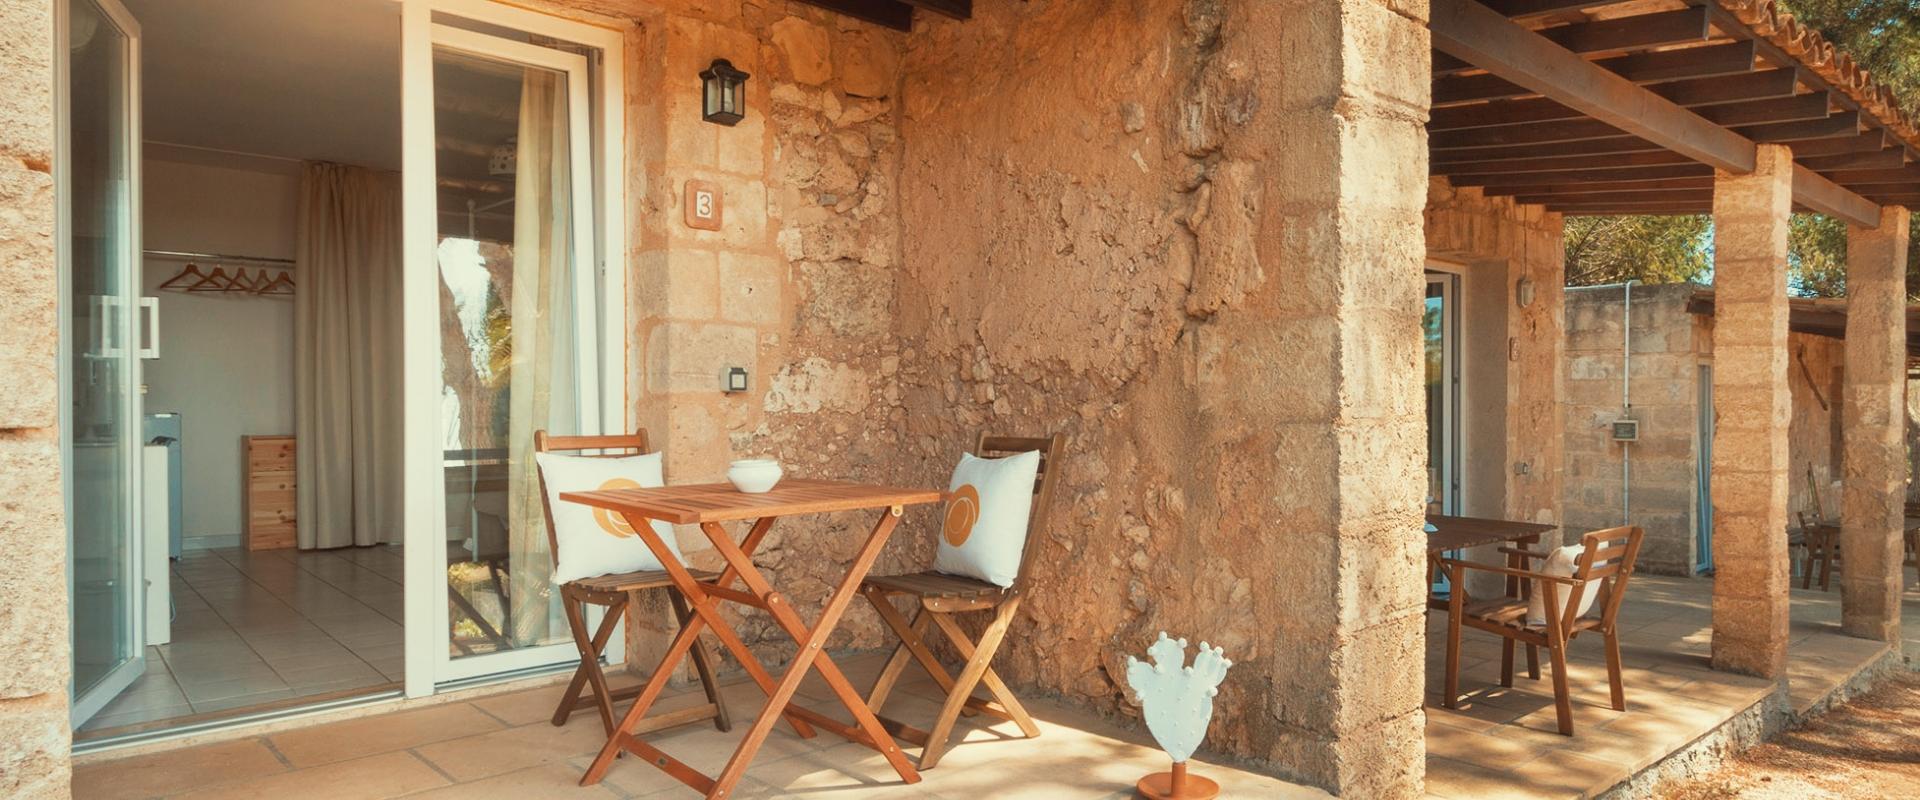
(267, 742)
(415, 752)
(294, 563)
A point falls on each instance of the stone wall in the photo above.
(796, 286)
(1670, 346)
(1494, 240)
(1186, 235)
(34, 735)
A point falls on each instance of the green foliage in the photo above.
(1881, 35)
(1648, 249)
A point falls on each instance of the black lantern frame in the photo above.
(722, 100)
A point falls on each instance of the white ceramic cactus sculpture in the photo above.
(1178, 699)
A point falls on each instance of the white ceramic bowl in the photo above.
(754, 475)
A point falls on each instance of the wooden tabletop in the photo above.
(1458, 533)
(720, 502)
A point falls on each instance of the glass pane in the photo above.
(509, 355)
(1433, 324)
(99, 333)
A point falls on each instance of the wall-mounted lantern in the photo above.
(722, 100)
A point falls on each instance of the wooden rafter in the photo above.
(1544, 118)
(1735, 58)
(1815, 191)
(885, 13)
(1770, 84)
(1468, 30)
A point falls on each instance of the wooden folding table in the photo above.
(709, 505)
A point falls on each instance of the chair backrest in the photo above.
(1607, 557)
(611, 446)
(990, 446)
(1813, 500)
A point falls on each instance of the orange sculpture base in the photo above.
(1176, 785)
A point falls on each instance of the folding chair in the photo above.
(1606, 558)
(612, 591)
(940, 597)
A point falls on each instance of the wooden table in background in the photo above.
(1460, 533)
(708, 505)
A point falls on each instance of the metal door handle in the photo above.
(151, 308)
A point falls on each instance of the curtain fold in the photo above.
(347, 357)
(542, 373)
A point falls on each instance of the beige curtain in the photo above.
(347, 357)
(543, 367)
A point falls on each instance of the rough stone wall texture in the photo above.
(1187, 236)
(34, 735)
(1667, 351)
(1670, 345)
(1751, 412)
(796, 286)
(1872, 533)
(1494, 234)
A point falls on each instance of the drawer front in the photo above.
(270, 453)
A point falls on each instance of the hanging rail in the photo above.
(217, 257)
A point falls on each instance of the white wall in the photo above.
(226, 361)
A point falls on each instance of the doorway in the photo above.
(198, 602)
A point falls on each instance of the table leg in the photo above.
(811, 653)
(705, 613)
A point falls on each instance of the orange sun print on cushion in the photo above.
(963, 509)
(612, 521)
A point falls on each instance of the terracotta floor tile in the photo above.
(555, 781)
(175, 771)
(381, 776)
(324, 744)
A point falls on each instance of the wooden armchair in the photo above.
(939, 597)
(613, 592)
(1605, 563)
(1823, 546)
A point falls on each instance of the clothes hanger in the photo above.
(281, 285)
(215, 281)
(192, 271)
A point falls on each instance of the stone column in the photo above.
(1872, 511)
(1310, 367)
(34, 654)
(1751, 407)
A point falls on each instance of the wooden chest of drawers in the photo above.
(269, 491)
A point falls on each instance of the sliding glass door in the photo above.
(504, 328)
(98, 171)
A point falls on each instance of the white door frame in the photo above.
(1451, 479)
(126, 332)
(600, 305)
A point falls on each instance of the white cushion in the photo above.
(595, 541)
(985, 526)
(1560, 563)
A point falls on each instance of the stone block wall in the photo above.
(1187, 236)
(1495, 240)
(34, 667)
(796, 286)
(1670, 346)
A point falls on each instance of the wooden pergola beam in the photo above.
(1585, 175)
(1889, 158)
(1732, 58)
(1468, 30)
(1597, 187)
(956, 9)
(885, 13)
(1872, 141)
(1725, 90)
(1814, 191)
(1654, 197)
(1526, 165)
(1844, 124)
(1607, 146)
